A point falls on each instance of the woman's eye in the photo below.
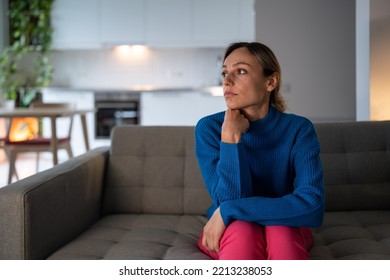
(223, 74)
(241, 71)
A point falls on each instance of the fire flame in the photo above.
(23, 129)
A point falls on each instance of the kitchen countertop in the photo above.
(214, 90)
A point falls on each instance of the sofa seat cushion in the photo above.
(353, 235)
(129, 236)
(343, 235)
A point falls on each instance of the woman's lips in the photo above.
(229, 94)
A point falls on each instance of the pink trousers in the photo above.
(250, 241)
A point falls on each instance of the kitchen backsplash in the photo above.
(126, 67)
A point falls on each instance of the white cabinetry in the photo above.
(168, 22)
(221, 22)
(157, 23)
(122, 22)
(199, 23)
(178, 108)
(75, 24)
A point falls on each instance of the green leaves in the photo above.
(31, 37)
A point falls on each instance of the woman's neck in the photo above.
(255, 113)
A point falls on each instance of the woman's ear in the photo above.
(272, 81)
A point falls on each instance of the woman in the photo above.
(260, 165)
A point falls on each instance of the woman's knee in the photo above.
(244, 228)
(242, 240)
(287, 243)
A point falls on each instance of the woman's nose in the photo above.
(228, 79)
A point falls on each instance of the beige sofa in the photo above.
(144, 198)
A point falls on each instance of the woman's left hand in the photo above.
(213, 231)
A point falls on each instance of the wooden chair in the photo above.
(2, 147)
(38, 143)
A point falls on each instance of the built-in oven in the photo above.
(113, 109)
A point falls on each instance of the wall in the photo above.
(112, 68)
(380, 59)
(362, 60)
(315, 43)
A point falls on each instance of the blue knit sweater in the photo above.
(273, 176)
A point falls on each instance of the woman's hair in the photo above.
(270, 64)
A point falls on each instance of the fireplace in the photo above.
(22, 129)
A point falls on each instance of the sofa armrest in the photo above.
(41, 213)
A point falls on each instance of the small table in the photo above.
(53, 114)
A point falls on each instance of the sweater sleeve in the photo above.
(224, 166)
(303, 207)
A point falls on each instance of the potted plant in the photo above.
(30, 38)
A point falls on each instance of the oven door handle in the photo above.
(125, 114)
(124, 105)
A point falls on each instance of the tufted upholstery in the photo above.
(353, 235)
(356, 161)
(138, 237)
(153, 170)
(145, 199)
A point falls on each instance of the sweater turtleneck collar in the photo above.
(265, 124)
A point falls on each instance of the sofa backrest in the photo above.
(356, 161)
(153, 170)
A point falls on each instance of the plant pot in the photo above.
(8, 104)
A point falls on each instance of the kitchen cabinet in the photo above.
(199, 23)
(75, 24)
(221, 22)
(178, 107)
(156, 23)
(168, 22)
(122, 22)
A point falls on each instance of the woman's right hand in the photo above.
(213, 232)
(234, 125)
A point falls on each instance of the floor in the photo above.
(25, 166)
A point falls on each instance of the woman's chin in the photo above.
(232, 106)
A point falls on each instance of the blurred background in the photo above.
(157, 62)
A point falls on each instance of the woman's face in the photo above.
(244, 85)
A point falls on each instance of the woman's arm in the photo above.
(224, 166)
(303, 207)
